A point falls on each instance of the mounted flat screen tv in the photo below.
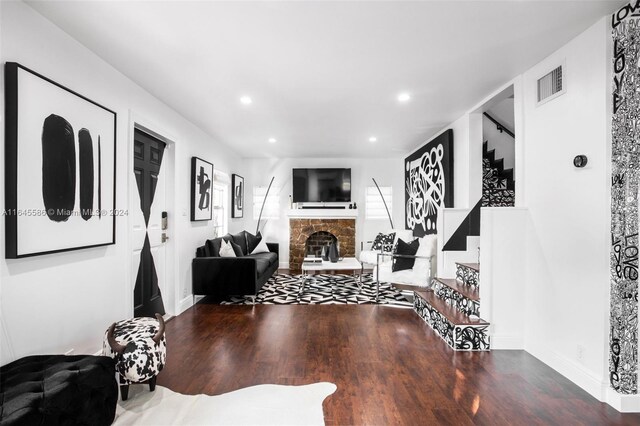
(321, 185)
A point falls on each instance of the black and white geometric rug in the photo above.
(282, 289)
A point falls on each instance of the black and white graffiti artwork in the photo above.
(428, 184)
(623, 338)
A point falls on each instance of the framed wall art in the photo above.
(201, 189)
(60, 158)
(237, 183)
(428, 177)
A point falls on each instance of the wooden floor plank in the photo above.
(388, 365)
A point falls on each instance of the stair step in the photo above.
(474, 266)
(454, 316)
(458, 330)
(471, 293)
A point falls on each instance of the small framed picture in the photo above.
(237, 183)
(201, 189)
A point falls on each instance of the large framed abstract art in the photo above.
(428, 176)
(201, 189)
(237, 183)
(60, 157)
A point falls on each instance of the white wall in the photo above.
(387, 172)
(567, 243)
(502, 285)
(53, 303)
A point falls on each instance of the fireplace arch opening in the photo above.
(317, 240)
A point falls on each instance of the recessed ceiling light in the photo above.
(272, 140)
(246, 100)
(373, 139)
(404, 97)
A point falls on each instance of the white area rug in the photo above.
(256, 405)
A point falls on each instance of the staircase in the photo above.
(498, 186)
(452, 308)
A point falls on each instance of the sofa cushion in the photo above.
(202, 251)
(213, 246)
(260, 248)
(262, 264)
(401, 263)
(252, 241)
(271, 257)
(240, 239)
(230, 249)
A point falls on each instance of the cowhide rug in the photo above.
(255, 405)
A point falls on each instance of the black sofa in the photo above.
(226, 276)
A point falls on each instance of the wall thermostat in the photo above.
(580, 160)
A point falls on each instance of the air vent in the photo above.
(550, 86)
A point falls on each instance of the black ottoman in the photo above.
(58, 390)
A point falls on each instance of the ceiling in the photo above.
(323, 76)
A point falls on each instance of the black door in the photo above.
(147, 154)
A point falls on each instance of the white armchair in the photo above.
(423, 269)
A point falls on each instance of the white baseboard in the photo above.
(577, 373)
(507, 342)
(623, 403)
(284, 265)
(185, 304)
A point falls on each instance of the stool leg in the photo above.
(124, 391)
(152, 383)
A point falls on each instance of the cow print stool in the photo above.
(139, 347)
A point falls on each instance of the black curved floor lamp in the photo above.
(263, 203)
(384, 202)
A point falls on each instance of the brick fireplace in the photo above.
(301, 229)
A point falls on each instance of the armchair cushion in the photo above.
(428, 247)
(383, 242)
(369, 256)
(412, 277)
(410, 249)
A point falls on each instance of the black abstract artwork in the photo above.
(625, 168)
(238, 196)
(58, 168)
(85, 161)
(56, 184)
(428, 176)
(201, 189)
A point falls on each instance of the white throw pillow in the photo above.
(226, 250)
(261, 247)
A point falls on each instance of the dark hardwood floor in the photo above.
(389, 366)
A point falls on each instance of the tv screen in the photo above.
(321, 185)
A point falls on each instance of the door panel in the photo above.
(148, 249)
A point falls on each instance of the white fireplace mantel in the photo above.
(322, 213)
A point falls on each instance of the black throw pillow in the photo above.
(213, 246)
(402, 263)
(236, 249)
(241, 239)
(253, 241)
(383, 242)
